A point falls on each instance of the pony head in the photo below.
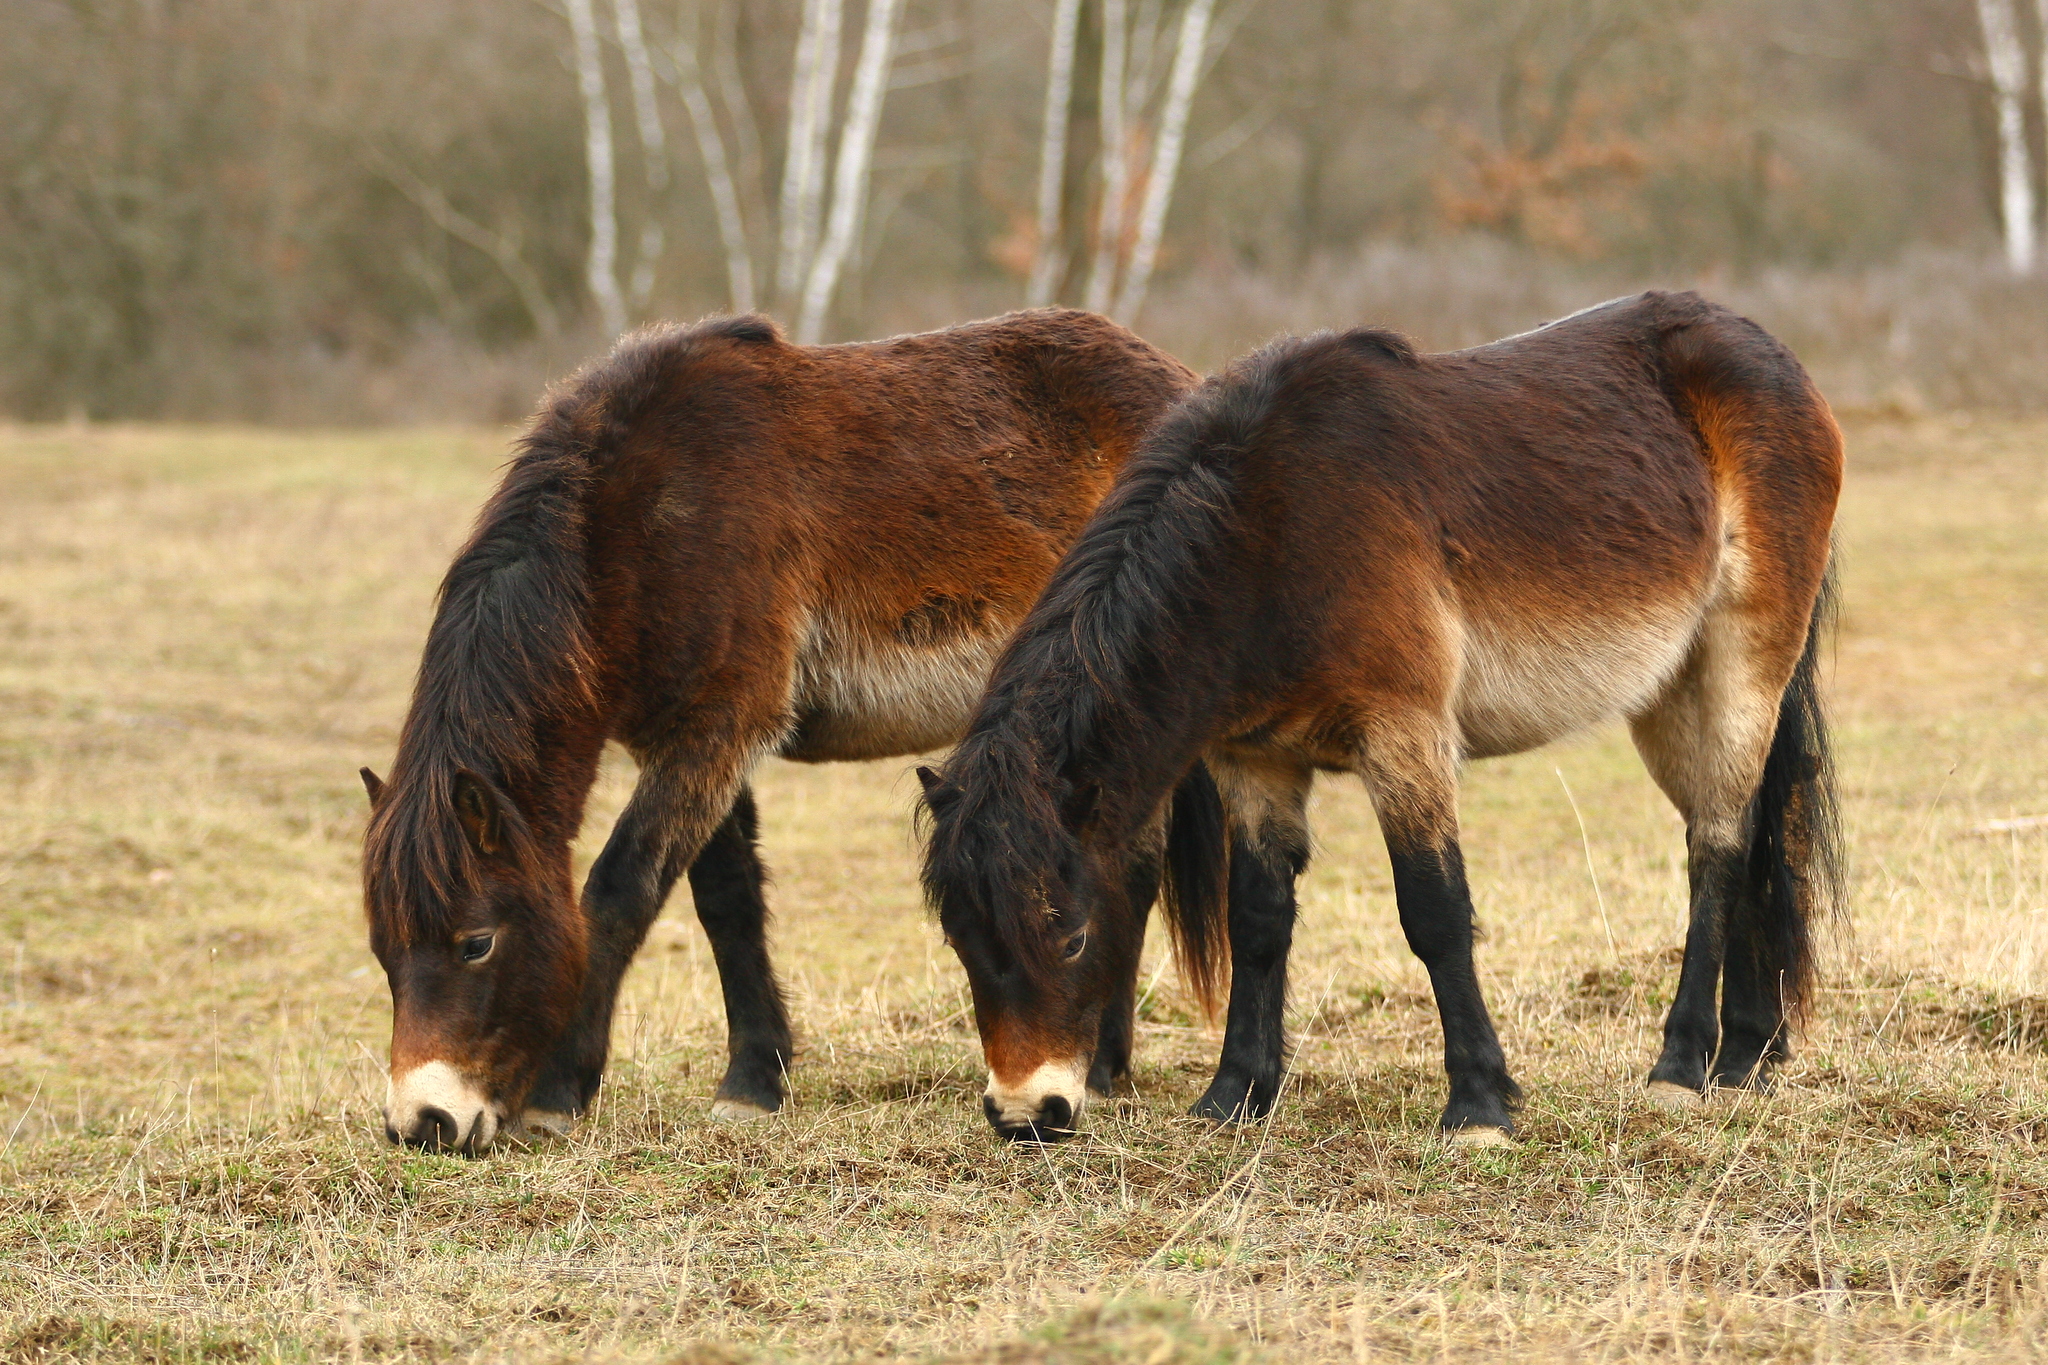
(483, 945)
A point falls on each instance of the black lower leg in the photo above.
(627, 887)
(726, 880)
(1436, 917)
(1753, 1039)
(1691, 1033)
(1119, 1018)
(1262, 910)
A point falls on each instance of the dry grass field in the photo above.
(204, 632)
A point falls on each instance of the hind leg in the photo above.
(1753, 1029)
(1410, 764)
(726, 881)
(1704, 741)
(1268, 850)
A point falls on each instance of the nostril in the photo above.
(989, 1110)
(436, 1128)
(1056, 1113)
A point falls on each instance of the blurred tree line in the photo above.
(286, 208)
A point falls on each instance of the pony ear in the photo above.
(481, 812)
(374, 785)
(938, 797)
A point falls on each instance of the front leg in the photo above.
(1436, 917)
(1410, 767)
(628, 884)
(1119, 1018)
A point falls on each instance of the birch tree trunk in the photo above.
(1116, 174)
(850, 176)
(2008, 62)
(688, 79)
(1049, 261)
(804, 162)
(601, 269)
(1188, 57)
(653, 148)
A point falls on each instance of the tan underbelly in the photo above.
(1524, 683)
(858, 699)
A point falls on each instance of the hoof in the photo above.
(1226, 1104)
(1673, 1098)
(1475, 1136)
(739, 1111)
(545, 1125)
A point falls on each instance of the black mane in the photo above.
(510, 652)
(1098, 675)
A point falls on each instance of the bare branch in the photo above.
(501, 246)
(683, 73)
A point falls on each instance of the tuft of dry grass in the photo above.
(204, 632)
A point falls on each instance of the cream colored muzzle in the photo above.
(1044, 1106)
(431, 1105)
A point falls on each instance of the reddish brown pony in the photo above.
(1343, 556)
(712, 547)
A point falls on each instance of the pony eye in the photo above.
(477, 947)
(1073, 946)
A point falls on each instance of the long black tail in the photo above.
(1794, 871)
(1195, 884)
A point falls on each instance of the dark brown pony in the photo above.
(1343, 556)
(712, 546)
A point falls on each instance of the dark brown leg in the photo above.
(1119, 1018)
(1436, 916)
(1262, 907)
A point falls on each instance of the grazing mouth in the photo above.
(433, 1107)
(1053, 1121)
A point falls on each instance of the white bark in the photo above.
(688, 79)
(601, 270)
(2008, 62)
(1116, 175)
(850, 176)
(1049, 258)
(1173, 129)
(653, 147)
(804, 162)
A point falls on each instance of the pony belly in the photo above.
(1526, 683)
(864, 699)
